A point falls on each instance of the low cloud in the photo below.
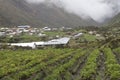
(99, 10)
(35, 1)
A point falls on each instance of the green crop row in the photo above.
(117, 50)
(21, 61)
(90, 66)
(28, 69)
(112, 66)
(54, 64)
(63, 68)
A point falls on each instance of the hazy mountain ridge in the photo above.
(19, 12)
(115, 22)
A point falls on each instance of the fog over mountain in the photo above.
(58, 13)
(99, 10)
(39, 14)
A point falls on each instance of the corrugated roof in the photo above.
(32, 45)
(24, 26)
(64, 40)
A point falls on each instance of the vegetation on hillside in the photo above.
(15, 12)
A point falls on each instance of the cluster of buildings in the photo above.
(18, 31)
(40, 32)
(28, 30)
(94, 33)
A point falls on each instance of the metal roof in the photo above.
(24, 26)
(64, 40)
(32, 45)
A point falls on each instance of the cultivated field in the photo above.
(60, 64)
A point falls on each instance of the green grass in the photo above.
(28, 38)
(89, 37)
(54, 33)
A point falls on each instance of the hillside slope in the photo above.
(115, 22)
(19, 12)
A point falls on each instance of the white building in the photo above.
(41, 35)
(2, 34)
(33, 45)
(47, 29)
(24, 26)
(78, 35)
(61, 41)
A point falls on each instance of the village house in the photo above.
(98, 35)
(77, 35)
(46, 29)
(2, 34)
(54, 29)
(41, 35)
(92, 32)
(3, 29)
(24, 26)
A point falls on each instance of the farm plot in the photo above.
(60, 64)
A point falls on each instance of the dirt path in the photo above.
(79, 65)
(117, 55)
(101, 67)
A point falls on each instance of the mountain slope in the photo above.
(115, 22)
(19, 12)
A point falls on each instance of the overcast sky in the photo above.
(98, 10)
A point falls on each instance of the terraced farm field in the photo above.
(60, 64)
